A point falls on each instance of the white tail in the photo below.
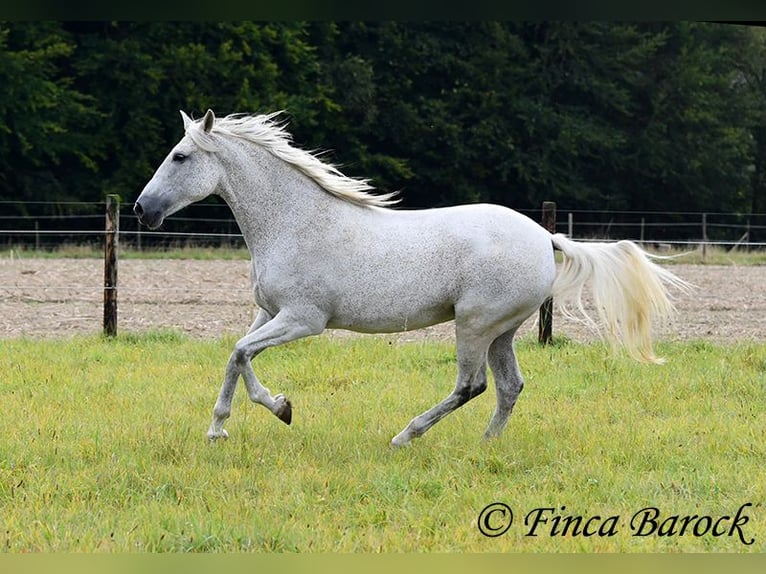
(629, 291)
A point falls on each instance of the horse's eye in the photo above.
(179, 157)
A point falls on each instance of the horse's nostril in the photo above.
(138, 210)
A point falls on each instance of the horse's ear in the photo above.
(187, 120)
(208, 121)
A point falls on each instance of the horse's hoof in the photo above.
(400, 442)
(213, 436)
(284, 411)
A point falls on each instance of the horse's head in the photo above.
(189, 173)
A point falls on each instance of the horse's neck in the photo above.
(273, 201)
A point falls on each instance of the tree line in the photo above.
(595, 115)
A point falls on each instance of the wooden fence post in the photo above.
(545, 324)
(704, 236)
(110, 264)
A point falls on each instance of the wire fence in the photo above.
(46, 226)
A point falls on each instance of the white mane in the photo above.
(271, 135)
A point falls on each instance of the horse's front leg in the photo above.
(222, 408)
(286, 326)
(237, 365)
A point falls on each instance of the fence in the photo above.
(46, 226)
(727, 230)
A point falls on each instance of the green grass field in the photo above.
(104, 449)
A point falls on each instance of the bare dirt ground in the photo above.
(56, 298)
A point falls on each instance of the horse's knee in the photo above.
(239, 355)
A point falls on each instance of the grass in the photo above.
(104, 448)
(692, 256)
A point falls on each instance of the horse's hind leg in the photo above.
(508, 380)
(471, 382)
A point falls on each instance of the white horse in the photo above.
(328, 253)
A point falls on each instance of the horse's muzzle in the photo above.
(151, 218)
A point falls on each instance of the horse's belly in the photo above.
(392, 318)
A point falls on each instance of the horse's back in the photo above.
(478, 232)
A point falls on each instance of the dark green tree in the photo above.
(594, 115)
(142, 74)
(46, 153)
(752, 77)
(693, 144)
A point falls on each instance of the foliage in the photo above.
(44, 119)
(594, 115)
